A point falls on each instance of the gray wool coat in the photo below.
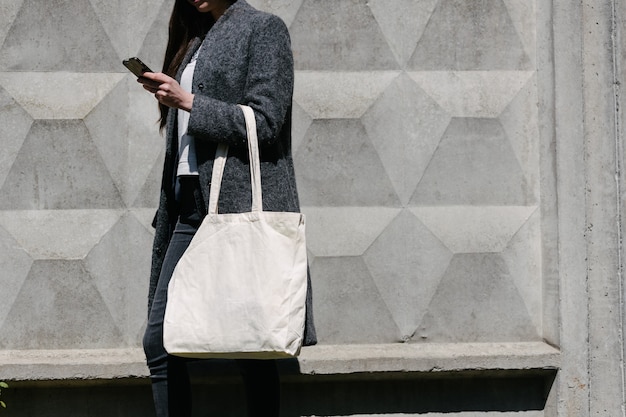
(245, 58)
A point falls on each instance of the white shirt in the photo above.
(187, 164)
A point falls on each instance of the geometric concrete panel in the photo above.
(523, 257)
(347, 305)
(58, 167)
(407, 262)
(402, 22)
(144, 216)
(470, 35)
(520, 121)
(59, 307)
(143, 115)
(472, 93)
(286, 9)
(405, 126)
(58, 234)
(8, 11)
(148, 195)
(154, 43)
(14, 126)
(129, 149)
(113, 140)
(474, 164)
(477, 301)
(127, 23)
(524, 17)
(300, 123)
(338, 166)
(120, 267)
(474, 229)
(57, 36)
(343, 36)
(14, 266)
(58, 95)
(416, 142)
(339, 95)
(345, 231)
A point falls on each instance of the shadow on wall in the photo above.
(218, 391)
(400, 394)
(385, 393)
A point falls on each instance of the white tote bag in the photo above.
(239, 290)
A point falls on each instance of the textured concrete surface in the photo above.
(103, 364)
(417, 156)
(460, 164)
(325, 380)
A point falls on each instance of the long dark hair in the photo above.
(186, 24)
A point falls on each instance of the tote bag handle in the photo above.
(255, 165)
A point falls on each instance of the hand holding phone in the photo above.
(165, 88)
(136, 66)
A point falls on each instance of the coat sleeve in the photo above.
(268, 90)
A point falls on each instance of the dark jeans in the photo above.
(170, 381)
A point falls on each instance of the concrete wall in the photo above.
(459, 165)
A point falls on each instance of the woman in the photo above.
(220, 53)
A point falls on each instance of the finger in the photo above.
(150, 89)
(148, 82)
(160, 98)
(157, 76)
(148, 75)
(160, 95)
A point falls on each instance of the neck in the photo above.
(220, 10)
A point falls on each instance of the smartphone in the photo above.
(135, 66)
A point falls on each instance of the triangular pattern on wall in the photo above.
(128, 26)
(403, 23)
(152, 48)
(343, 172)
(59, 95)
(58, 167)
(404, 107)
(524, 261)
(407, 279)
(285, 9)
(343, 284)
(523, 14)
(15, 264)
(409, 119)
(128, 314)
(61, 35)
(477, 301)
(58, 234)
(131, 149)
(9, 11)
(15, 124)
(470, 35)
(345, 231)
(60, 308)
(347, 38)
(473, 165)
(520, 121)
(150, 191)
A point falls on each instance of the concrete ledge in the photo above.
(105, 364)
(428, 357)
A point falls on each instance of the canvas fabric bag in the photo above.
(239, 290)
